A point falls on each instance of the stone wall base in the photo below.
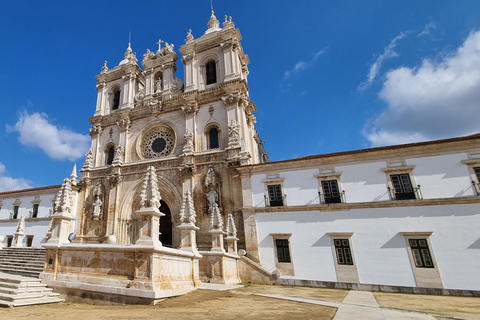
(101, 298)
(376, 287)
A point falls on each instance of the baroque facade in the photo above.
(176, 169)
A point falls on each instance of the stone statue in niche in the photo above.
(211, 184)
(212, 198)
(97, 203)
(97, 208)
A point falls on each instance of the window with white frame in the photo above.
(330, 188)
(401, 182)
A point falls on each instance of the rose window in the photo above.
(158, 143)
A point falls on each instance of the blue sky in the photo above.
(326, 76)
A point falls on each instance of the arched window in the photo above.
(116, 99)
(110, 154)
(213, 138)
(211, 70)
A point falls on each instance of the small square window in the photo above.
(342, 248)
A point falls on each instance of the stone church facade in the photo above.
(177, 190)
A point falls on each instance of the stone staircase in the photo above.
(17, 291)
(19, 283)
(23, 261)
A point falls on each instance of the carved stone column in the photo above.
(187, 227)
(19, 234)
(216, 231)
(62, 220)
(149, 212)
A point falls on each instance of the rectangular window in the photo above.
(35, 210)
(29, 241)
(331, 192)
(477, 173)
(402, 187)
(342, 248)
(275, 196)
(421, 253)
(283, 251)
(9, 241)
(15, 212)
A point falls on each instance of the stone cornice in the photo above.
(367, 205)
(30, 192)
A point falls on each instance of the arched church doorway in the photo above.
(166, 226)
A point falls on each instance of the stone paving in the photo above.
(359, 305)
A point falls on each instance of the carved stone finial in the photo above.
(105, 68)
(21, 225)
(228, 22)
(216, 220)
(64, 201)
(189, 36)
(150, 196)
(213, 23)
(88, 160)
(231, 229)
(73, 175)
(159, 51)
(187, 212)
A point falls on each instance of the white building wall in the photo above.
(442, 176)
(364, 182)
(380, 251)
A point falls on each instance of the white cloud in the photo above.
(302, 65)
(388, 53)
(8, 183)
(428, 29)
(36, 131)
(432, 101)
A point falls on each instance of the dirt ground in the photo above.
(241, 304)
(464, 307)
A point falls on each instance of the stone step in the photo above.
(10, 290)
(29, 302)
(17, 290)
